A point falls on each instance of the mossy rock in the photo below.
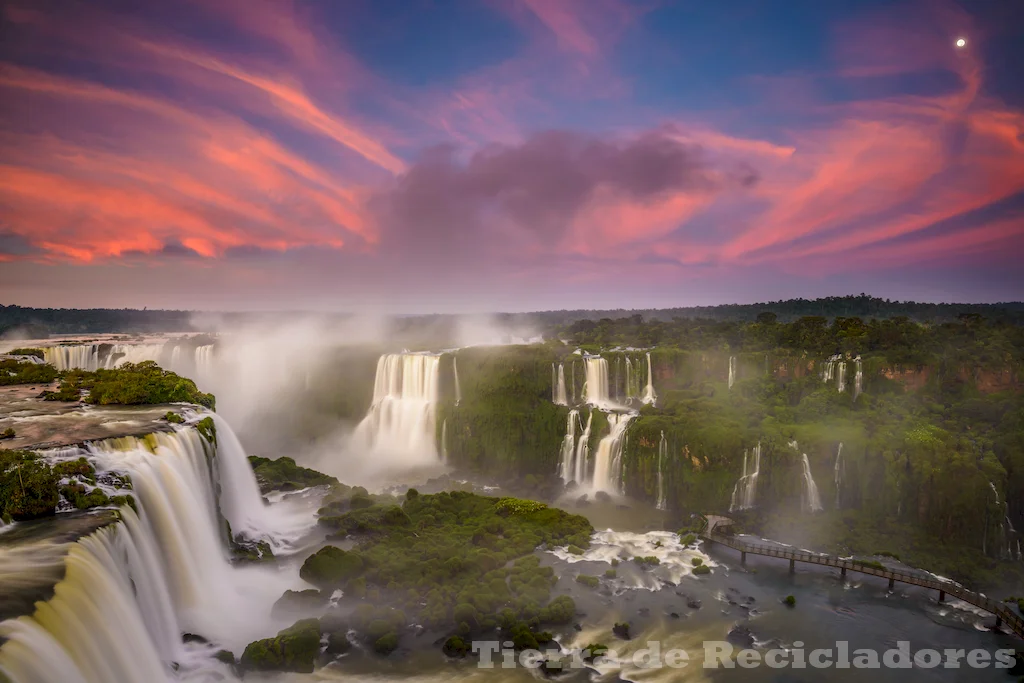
(701, 570)
(330, 567)
(284, 475)
(386, 644)
(293, 649)
(293, 602)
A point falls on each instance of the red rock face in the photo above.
(991, 381)
(911, 379)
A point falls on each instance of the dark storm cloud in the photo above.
(537, 187)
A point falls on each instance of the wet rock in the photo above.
(602, 496)
(693, 603)
(644, 611)
(577, 627)
(193, 638)
(674, 615)
(741, 635)
(296, 602)
(621, 630)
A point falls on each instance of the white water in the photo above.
(400, 428)
(558, 391)
(649, 396)
(841, 382)
(582, 462)
(204, 360)
(840, 472)
(567, 452)
(82, 356)
(574, 381)
(744, 493)
(662, 457)
(858, 379)
(608, 459)
(732, 371)
(596, 387)
(811, 499)
(444, 441)
(458, 387)
(675, 559)
(132, 589)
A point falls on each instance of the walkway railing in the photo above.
(1003, 612)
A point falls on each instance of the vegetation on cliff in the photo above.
(293, 649)
(284, 475)
(132, 384)
(28, 486)
(23, 372)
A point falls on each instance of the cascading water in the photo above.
(840, 473)
(828, 372)
(444, 441)
(204, 359)
(732, 371)
(662, 458)
(401, 425)
(80, 356)
(841, 382)
(649, 396)
(558, 388)
(811, 499)
(458, 387)
(133, 353)
(608, 458)
(630, 393)
(567, 452)
(744, 493)
(582, 463)
(858, 378)
(595, 389)
(574, 381)
(131, 589)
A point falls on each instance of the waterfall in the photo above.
(444, 441)
(649, 396)
(558, 391)
(618, 380)
(858, 379)
(732, 371)
(574, 381)
(204, 359)
(744, 493)
(629, 379)
(828, 372)
(133, 353)
(81, 356)
(458, 387)
(840, 472)
(567, 452)
(608, 459)
(131, 589)
(811, 499)
(595, 389)
(401, 425)
(841, 382)
(662, 457)
(582, 462)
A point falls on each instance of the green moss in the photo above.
(132, 384)
(610, 573)
(174, 418)
(701, 570)
(207, 429)
(284, 475)
(575, 549)
(76, 494)
(80, 468)
(331, 567)
(293, 649)
(386, 644)
(647, 562)
(789, 601)
(696, 562)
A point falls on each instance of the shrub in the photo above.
(621, 630)
(22, 372)
(610, 573)
(133, 384)
(575, 550)
(455, 647)
(7, 433)
(589, 581)
(789, 601)
(701, 570)
(386, 644)
(696, 562)
(647, 562)
(28, 486)
(174, 418)
(688, 539)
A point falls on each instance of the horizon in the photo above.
(517, 156)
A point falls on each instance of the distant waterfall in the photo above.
(732, 371)
(133, 353)
(858, 379)
(828, 371)
(841, 382)
(811, 499)
(574, 381)
(662, 457)
(649, 396)
(131, 589)
(401, 424)
(458, 387)
(608, 459)
(596, 389)
(558, 390)
(80, 356)
(582, 462)
(567, 453)
(840, 473)
(1007, 543)
(744, 493)
(630, 393)
(444, 441)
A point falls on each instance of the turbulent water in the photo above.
(567, 453)
(649, 397)
(400, 428)
(744, 493)
(558, 389)
(841, 382)
(596, 388)
(732, 371)
(858, 378)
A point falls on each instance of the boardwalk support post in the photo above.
(792, 566)
(743, 557)
(942, 595)
(999, 621)
(842, 572)
(892, 583)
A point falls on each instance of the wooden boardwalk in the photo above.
(1004, 612)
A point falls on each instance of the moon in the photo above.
(960, 42)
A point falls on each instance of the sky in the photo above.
(508, 155)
